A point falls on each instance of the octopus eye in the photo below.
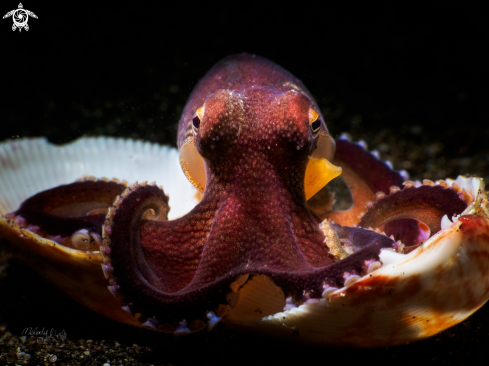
(196, 120)
(195, 123)
(314, 120)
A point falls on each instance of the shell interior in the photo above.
(31, 165)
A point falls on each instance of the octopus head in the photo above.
(259, 133)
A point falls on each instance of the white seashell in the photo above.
(29, 166)
(471, 185)
(389, 257)
(410, 297)
(445, 221)
(436, 286)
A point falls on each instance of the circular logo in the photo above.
(20, 17)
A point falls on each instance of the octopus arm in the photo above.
(413, 214)
(180, 270)
(365, 175)
(411, 297)
(71, 214)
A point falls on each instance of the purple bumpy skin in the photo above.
(255, 137)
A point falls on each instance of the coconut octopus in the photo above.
(265, 248)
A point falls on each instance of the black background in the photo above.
(411, 78)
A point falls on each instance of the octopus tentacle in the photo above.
(401, 211)
(303, 285)
(69, 214)
(367, 245)
(164, 259)
(170, 279)
(364, 174)
(54, 226)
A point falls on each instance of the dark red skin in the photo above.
(256, 139)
